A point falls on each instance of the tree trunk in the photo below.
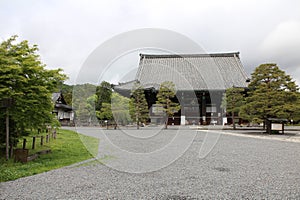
(137, 119)
(166, 123)
(268, 126)
(7, 135)
(233, 121)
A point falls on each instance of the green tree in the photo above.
(90, 106)
(103, 92)
(232, 101)
(67, 91)
(105, 113)
(117, 111)
(272, 94)
(120, 109)
(293, 110)
(24, 79)
(138, 105)
(165, 97)
(81, 102)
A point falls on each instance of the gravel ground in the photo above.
(236, 168)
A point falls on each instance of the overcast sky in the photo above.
(68, 31)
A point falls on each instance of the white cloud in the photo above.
(283, 41)
(68, 31)
(282, 46)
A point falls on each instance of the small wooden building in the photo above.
(275, 125)
(64, 112)
(200, 81)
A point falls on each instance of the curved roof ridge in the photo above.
(229, 54)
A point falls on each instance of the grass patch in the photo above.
(66, 149)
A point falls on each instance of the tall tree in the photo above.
(232, 101)
(120, 109)
(90, 106)
(103, 92)
(273, 94)
(139, 107)
(24, 79)
(165, 97)
(80, 101)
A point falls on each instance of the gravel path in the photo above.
(236, 168)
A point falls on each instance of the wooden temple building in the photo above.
(200, 81)
(63, 112)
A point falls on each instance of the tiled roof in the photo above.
(55, 96)
(190, 71)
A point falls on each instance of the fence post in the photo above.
(24, 144)
(42, 142)
(33, 142)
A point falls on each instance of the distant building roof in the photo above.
(190, 71)
(55, 96)
(59, 101)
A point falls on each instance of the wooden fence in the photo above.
(22, 155)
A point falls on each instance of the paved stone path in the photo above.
(236, 168)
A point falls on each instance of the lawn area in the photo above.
(66, 149)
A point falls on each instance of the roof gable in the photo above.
(57, 97)
(59, 101)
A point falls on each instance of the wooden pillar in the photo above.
(203, 107)
(182, 117)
